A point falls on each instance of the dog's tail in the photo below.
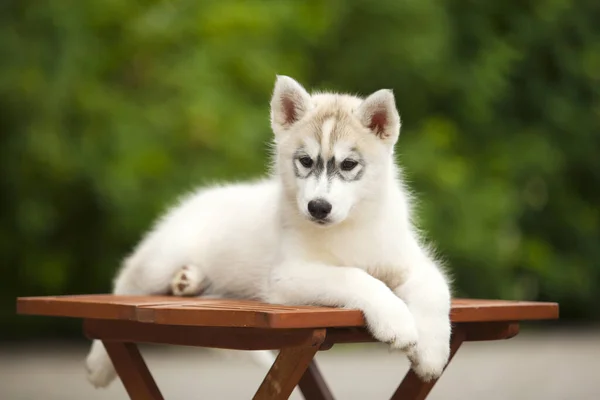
(99, 367)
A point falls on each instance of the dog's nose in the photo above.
(319, 208)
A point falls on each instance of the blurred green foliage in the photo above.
(112, 108)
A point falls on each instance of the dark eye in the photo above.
(348, 165)
(306, 161)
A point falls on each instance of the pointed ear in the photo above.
(289, 103)
(379, 114)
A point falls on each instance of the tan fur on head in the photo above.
(328, 131)
(291, 104)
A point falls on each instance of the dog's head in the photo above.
(333, 152)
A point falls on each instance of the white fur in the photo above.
(256, 240)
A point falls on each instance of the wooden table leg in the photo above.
(133, 371)
(286, 372)
(412, 387)
(312, 385)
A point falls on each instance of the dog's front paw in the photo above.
(429, 358)
(187, 282)
(393, 324)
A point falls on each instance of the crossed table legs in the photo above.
(294, 364)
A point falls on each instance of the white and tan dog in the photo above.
(331, 226)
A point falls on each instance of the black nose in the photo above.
(319, 208)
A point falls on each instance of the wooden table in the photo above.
(299, 332)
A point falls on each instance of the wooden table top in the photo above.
(168, 310)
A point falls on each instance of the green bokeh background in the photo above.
(109, 109)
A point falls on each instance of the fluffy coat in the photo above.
(331, 226)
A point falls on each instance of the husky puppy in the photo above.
(331, 226)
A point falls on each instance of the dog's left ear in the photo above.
(379, 114)
(289, 103)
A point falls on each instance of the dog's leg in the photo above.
(387, 316)
(427, 294)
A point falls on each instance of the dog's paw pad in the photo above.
(181, 286)
(186, 282)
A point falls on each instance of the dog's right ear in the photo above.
(378, 113)
(289, 103)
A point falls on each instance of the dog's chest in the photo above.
(368, 250)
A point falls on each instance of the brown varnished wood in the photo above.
(224, 338)
(84, 306)
(313, 386)
(475, 331)
(247, 313)
(288, 369)
(237, 324)
(133, 371)
(302, 342)
(480, 331)
(412, 387)
(189, 311)
(477, 310)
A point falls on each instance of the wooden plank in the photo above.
(133, 371)
(247, 313)
(103, 306)
(203, 315)
(286, 372)
(251, 314)
(192, 311)
(200, 336)
(477, 310)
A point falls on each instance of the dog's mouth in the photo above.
(321, 222)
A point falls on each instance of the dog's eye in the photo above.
(306, 161)
(348, 165)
